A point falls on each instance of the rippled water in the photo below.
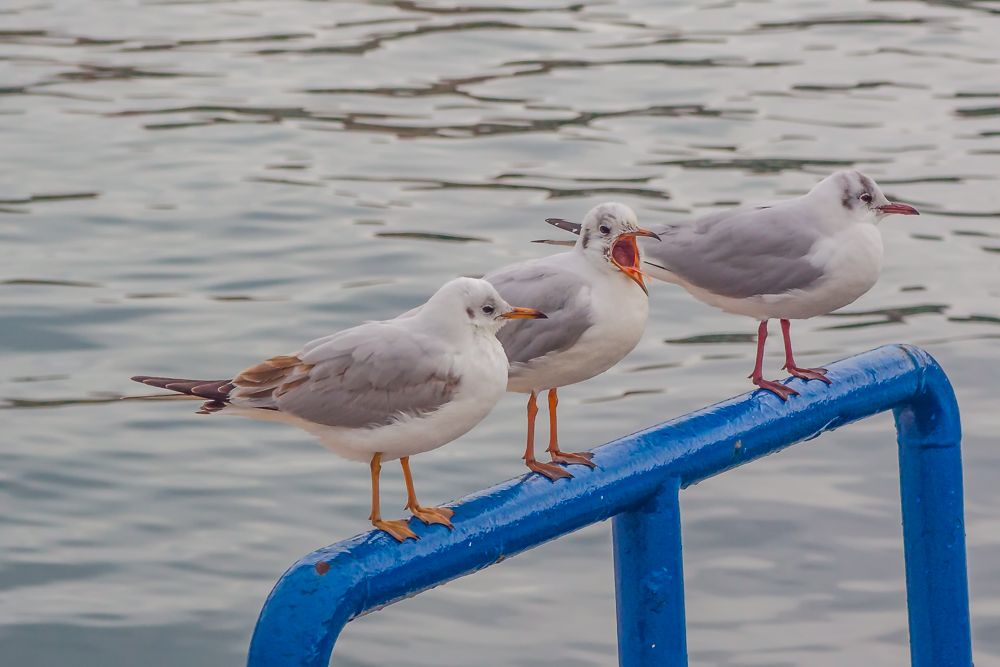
(190, 186)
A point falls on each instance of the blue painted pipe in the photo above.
(930, 483)
(637, 478)
(649, 580)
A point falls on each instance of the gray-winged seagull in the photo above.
(790, 260)
(596, 305)
(383, 390)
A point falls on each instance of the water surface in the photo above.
(192, 186)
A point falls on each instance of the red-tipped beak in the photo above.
(625, 255)
(525, 314)
(901, 209)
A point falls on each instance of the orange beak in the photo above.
(625, 255)
(525, 314)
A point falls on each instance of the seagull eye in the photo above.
(866, 198)
(488, 309)
(604, 229)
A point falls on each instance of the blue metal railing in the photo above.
(637, 483)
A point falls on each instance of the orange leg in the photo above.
(550, 470)
(397, 528)
(583, 458)
(428, 515)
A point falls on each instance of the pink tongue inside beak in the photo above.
(623, 253)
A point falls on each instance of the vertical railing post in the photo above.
(930, 467)
(649, 582)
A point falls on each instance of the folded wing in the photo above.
(744, 252)
(369, 376)
(558, 294)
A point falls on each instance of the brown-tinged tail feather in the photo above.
(215, 390)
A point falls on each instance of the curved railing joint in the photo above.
(637, 483)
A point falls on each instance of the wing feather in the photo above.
(558, 293)
(740, 253)
(369, 376)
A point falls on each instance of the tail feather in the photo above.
(215, 390)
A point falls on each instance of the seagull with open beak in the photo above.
(787, 260)
(596, 303)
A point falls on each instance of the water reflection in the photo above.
(717, 338)
(886, 315)
(498, 183)
(429, 236)
(849, 19)
(376, 42)
(760, 165)
(363, 122)
(197, 184)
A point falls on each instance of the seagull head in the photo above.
(476, 303)
(607, 239)
(859, 197)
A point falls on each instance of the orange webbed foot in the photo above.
(432, 515)
(553, 472)
(397, 528)
(566, 458)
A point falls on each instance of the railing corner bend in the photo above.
(637, 484)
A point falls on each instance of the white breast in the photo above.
(619, 310)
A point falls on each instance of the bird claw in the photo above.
(566, 458)
(432, 515)
(398, 529)
(809, 373)
(553, 472)
(776, 388)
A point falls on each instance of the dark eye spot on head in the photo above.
(585, 239)
(470, 312)
(488, 309)
(866, 197)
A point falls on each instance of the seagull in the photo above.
(384, 390)
(597, 305)
(790, 260)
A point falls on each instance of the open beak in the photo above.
(901, 209)
(625, 255)
(525, 314)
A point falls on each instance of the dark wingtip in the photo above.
(152, 380)
(566, 225)
(554, 242)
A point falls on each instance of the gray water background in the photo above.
(188, 187)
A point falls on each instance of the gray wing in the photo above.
(370, 375)
(559, 294)
(743, 252)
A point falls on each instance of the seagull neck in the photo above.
(590, 256)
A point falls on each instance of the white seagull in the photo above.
(383, 390)
(791, 260)
(596, 305)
